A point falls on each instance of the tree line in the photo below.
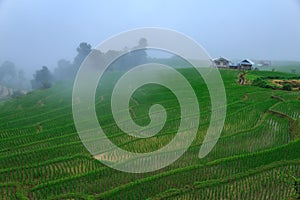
(66, 70)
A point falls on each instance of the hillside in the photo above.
(42, 157)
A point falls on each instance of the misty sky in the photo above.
(34, 33)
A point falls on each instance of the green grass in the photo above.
(257, 152)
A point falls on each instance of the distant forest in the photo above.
(66, 70)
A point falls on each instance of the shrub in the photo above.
(260, 83)
(287, 86)
(46, 85)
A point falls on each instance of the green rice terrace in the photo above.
(257, 156)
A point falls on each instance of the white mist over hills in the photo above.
(39, 33)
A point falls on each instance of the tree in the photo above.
(13, 78)
(143, 43)
(83, 50)
(136, 56)
(63, 70)
(8, 72)
(42, 79)
(130, 58)
(110, 55)
(110, 58)
(22, 82)
(66, 70)
(141, 55)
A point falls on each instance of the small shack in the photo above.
(245, 64)
(221, 62)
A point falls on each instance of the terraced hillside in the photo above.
(257, 156)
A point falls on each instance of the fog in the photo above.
(40, 33)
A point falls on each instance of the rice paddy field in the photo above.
(257, 156)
